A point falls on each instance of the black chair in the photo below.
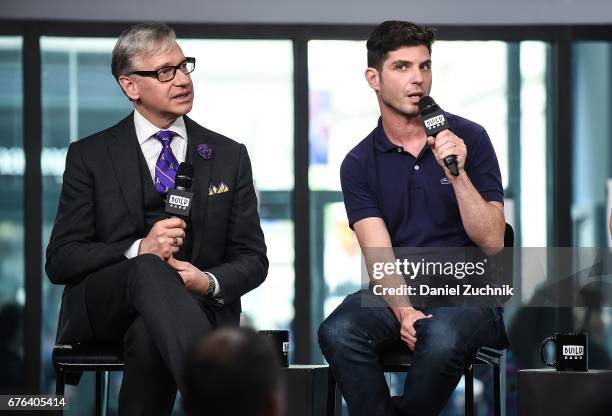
(400, 359)
(70, 361)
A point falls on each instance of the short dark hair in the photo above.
(393, 34)
(231, 372)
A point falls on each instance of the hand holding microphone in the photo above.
(166, 237)
(450, 151)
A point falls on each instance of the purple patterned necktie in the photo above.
(167, 165)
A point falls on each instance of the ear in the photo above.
(372, 76)
(129, 87)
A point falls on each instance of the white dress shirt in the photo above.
(151, 148)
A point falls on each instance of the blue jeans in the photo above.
(353, 335)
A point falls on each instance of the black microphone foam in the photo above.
(427, 105)
(184, 176)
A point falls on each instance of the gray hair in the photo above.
(140, 39)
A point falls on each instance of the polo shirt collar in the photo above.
(381, 141)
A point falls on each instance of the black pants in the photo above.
(143, 304)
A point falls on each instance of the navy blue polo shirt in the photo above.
(412, 194)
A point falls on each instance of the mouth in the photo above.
(415, 96)
(182, 97)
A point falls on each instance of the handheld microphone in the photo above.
(435, 122)
(179, 199)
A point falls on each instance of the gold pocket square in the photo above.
(217, 189)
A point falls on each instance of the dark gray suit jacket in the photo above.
(100, 214)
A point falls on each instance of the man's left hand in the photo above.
(447, 144)
(194, 279)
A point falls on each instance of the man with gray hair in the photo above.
(133, 275)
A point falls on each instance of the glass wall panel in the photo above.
(12, 166)
(592, 184)
(79, 97)
(244, 90)
(592, 147)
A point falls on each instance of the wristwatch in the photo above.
(211, 286)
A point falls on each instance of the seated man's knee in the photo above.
(338, 331)
(148, 267)
(147, 261)
(440, 340)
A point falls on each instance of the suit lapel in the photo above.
(201, 181)
(123, 149)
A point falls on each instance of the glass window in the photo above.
(592, 186)
(244, 90)
(592, 147)
(79, 97)
(12, 163)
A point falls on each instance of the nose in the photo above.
(416, 76)
(180, 78)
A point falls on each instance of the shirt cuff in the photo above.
(217, 293)
(133, 250)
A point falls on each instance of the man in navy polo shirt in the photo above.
(398, 193)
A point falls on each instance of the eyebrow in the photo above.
(167, 64)
(404, 62)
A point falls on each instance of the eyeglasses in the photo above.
(168, 73)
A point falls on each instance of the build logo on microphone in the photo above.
(434, 121)
(178, 201)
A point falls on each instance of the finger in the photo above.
(412, 332)
(446, 134)
(172, 223)
(408, 328)
(176, 264)
(409, 340)
(404, 334)
(175, 232)
(447, 153)
(431, 140)
(447, 147)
